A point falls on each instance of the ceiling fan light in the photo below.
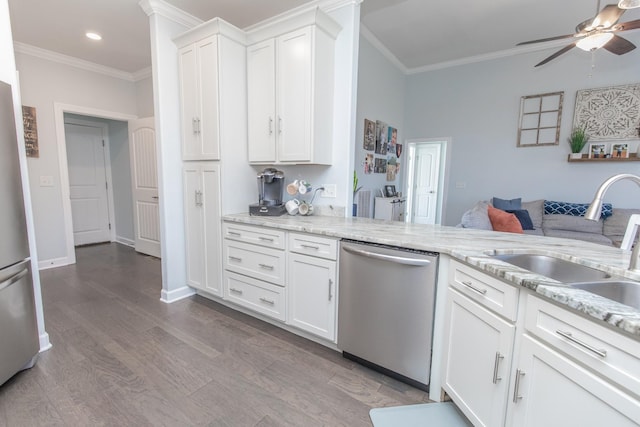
(594, 41)
(628, 4)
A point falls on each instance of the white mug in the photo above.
(304, 187)
(292, 188)
(305, 209)
(292, 206)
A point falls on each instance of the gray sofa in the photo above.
(608, 231)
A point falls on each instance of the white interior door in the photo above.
(144, 182)
(87, 184)
(425, 183)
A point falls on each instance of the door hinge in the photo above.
(103, 142)
(109, 226)
(106, 185)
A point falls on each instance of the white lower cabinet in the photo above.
(202, 226)
(526, 362)
(312, 295)
(551, 390)
(257, 295)
(479, 348)
(290, 277)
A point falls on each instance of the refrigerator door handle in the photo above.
(15, 278)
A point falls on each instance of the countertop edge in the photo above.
(473, 247)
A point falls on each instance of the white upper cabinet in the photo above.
(212, 73)
(290, 70)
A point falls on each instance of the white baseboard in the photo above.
(125, 241)
(45, 344)
(53, 263)
(176, 294)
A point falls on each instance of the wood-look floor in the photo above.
(121, 357)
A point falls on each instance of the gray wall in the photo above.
(478, 106)
(381, 96)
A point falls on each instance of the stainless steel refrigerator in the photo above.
(19, 343)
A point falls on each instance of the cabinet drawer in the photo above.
(309, 244)
(256, 235)
(606, 352)
(494, 294)
(256, 295)
(255, 261)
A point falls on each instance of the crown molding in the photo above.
(169, 11)
(49, 55)
(488, 56)
(368, 35)
(520, 50)
(324, 5)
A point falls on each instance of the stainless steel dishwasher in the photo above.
(386, 308)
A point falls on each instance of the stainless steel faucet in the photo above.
(595, 210)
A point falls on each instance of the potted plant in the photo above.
(577, 141)
(355, 191)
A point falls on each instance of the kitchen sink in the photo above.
(622, 291)
(554, 268)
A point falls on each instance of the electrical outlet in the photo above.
(329, 190)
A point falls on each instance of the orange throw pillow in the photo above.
(504, 221)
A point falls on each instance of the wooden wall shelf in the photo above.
(633, 157)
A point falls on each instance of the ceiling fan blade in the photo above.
(548, 39)
(608, 16)
(565, 49)
(626, 26)
(619, 46)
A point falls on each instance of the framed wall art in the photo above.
(610, 113)
(540, 119)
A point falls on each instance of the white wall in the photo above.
(478, 106)
(44, 83)
(381, 96)
(144, 97)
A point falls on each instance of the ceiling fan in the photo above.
(597, 32)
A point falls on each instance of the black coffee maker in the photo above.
(270, 194)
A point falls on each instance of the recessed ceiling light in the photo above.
(94, 36)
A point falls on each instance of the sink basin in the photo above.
(554, 268)
(622, 291)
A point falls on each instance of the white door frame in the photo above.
(107, 167)
(445, 150)
(59, 110)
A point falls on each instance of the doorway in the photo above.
(90, 186)
(425, 180)
(117, 137)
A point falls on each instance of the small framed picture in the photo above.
(597, 151)
(389, 190)
(619, 151)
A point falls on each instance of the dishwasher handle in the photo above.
(420, 262)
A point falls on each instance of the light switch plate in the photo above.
(46, 181)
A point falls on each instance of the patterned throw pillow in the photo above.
(574, 209)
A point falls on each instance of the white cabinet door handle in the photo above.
(235, 291)
(330, 294)
(568, 336)
(496, 365)
(266, 266)
(235, 258)
(270, 125)
(516, 386)
(473, 288)
(279, 124)
(267, 301)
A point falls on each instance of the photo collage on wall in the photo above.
(382, 139)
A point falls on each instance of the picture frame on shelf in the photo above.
(620, 150)
(598, 151)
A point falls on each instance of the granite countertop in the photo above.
(475, 247)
